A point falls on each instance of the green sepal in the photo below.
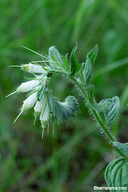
(41, 93)
(51, 72)
(93, 54)
(123, 147)
(116, 174)
(75, 66)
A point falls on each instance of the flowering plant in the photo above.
(50, 109)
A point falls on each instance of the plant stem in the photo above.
(80, 87)
(99, 120)
(102, 126)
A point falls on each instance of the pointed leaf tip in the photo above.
(75, 66)
(93, 54)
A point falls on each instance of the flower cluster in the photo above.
(34, 86)
(47, 107)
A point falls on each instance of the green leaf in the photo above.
(116, 174)
(55, 58)
(65, 110)
(91, 57)
(87, 71)
(75, 66)
(93, 54)
(81, 75)
(99, 106)
(112, 112)
(123, 147)
(65, 60)
(91, 93)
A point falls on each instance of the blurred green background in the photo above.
(74, 158)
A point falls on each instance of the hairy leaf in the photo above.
(112, 112)
(116, 174)
(65, 60)
(91, 57)
(123, 147)
(87, 71)
(99, 106)
(81, 75)
(93, 54)
(91, 93)
(65, 110)
(55, 58)
(75, 66)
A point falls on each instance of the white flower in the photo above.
(38, 107)
(44, 117)
(29, 102)
(27, 86)
(31, 68)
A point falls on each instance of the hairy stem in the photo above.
(99, 120)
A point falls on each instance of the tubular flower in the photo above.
(49, 108)
(29, 102)
(44, 117)
(37, 88)
(38, 107)
(28, 86)
(32, 68)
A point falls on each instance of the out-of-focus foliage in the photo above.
(74, 157)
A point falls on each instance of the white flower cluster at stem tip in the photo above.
(33, 86)
(47, 107)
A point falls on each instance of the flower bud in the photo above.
(31, 68)
(27, 86)
(29, 102)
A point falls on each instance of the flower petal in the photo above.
(27, 86)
